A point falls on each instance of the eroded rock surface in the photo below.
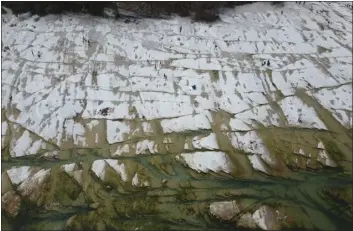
(175, 124)
(11, 203)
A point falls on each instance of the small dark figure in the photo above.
(263, 63)
(194, 87)
(268, 63)
(300, 119)
(180, 29)
(165, 76)
(143, 117)
(105, 111)
(281, 11)
(127, 21)
(39, 54)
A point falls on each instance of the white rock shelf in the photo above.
(173, 76)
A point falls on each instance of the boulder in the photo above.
(225, 210)
(11, 203)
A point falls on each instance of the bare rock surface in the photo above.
(161, 124)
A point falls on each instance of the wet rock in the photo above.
(140, 205)
(70, 221)
(95, 205)
(11, 203)
(246, 221)
(24, 16)
(340, 195)
(89, 221)
(111, 12)
(265, 218)
(5, 183)
(31, 187)
(225, 210)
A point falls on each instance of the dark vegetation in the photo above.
(44, 8)
(199, 11)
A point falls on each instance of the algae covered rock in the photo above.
(31, 188)
(265, 218)
(246, 221)
(11, 203)
(6, 184)
(226, 210)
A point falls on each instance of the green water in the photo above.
(178, 198)
(182, 203)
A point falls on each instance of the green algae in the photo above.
(170, 195)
